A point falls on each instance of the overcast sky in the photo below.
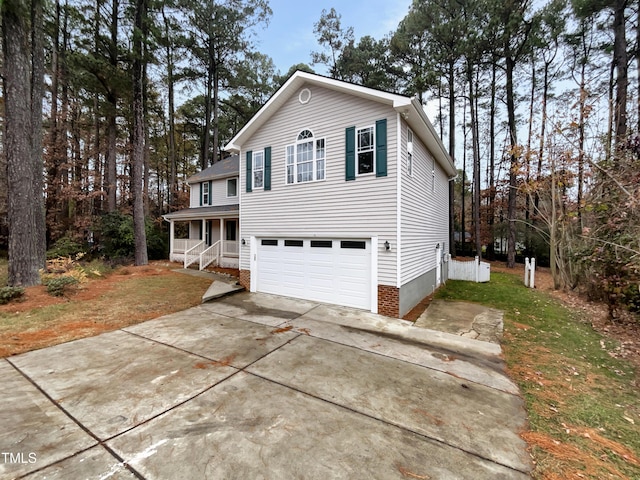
(289, 38)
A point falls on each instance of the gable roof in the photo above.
(410, 109)
(227, 167)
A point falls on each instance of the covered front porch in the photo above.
(211, 239)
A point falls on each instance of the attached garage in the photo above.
(326, 270)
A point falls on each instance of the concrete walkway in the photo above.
(260, 386)
(221, 287)
(469, 320)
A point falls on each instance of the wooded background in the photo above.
(110, 105)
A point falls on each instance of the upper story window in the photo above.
(365, 150)
(305, 159)
(258, 169)
(205, 193)
(232, 187)
(410, 152)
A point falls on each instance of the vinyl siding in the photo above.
(331, 208)
(424, 220)
(195, 195)
(220, 193)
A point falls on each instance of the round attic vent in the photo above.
(304, 96)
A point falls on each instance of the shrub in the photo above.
(66, 247)
(58, 286)
(10, 293)
(117, 240)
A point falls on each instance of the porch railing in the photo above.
(192, 255)
(230, 247)
(210, 255)
(181, 245)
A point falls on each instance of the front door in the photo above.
(207, 233)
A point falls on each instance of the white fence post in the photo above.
(532, 281)
(477, 268)
(530, 272)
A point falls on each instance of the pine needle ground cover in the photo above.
(124, 297)
(583, 404)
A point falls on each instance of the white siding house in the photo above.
(332, 206)
(207, 232)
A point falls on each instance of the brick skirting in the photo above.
(388, 300)
(245, 279)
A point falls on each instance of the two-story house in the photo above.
(207, 232)
(343, 197)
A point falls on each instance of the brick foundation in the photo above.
(388, 300)
(245, 279)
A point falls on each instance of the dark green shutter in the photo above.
(249, 169)
(381, 148)
(267, 168)
(200, 193)
(350, 153)
(210, 192)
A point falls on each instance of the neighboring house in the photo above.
(209, 228)
(343, 197)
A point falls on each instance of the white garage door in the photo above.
(331, 271)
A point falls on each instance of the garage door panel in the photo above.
(320, 270)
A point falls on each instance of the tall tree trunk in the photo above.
(145, 117)
(53, 161)
(581, 140)
(543, 132)
(110, 170)
(476, 160)
(513, 167)
(452, 153)
(620, 60)
(492, 161)
(216, 112)
(528, 153)
(204, 154)
(463, 226)
(112, 109)
(23, 45)
(140, 238)
(172, 123)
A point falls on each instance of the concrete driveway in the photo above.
(257, 386)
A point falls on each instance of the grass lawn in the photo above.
(118, 299)
(582, 403)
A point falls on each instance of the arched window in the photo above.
(306, 158)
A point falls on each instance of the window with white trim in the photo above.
(232, 187)
(205, 193)
(409, 152)
(258, 169)
(305, 159)
(365, 150)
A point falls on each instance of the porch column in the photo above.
(222, 237)
(203, 232)
(171, 236)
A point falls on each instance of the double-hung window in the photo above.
(305, 159)
(205, 193)
(258, 169)
(232, 187)
(365, 150)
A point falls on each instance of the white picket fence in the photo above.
(474, 271)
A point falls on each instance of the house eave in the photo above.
(297, 81)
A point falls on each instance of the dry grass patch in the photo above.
(125, 297)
